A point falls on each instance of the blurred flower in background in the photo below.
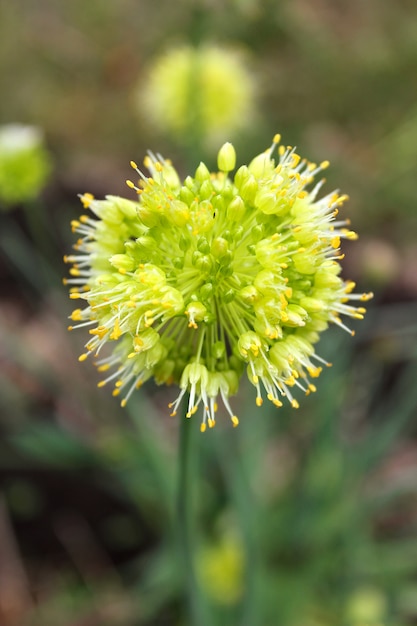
(206, 92)
(222, 568)
(24, 164)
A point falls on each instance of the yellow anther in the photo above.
(259, 401)
(235, 420)
(101, 383)
(117, 332)
(123, 403)
(324, 165)
(314, 371)
(115, 392)
(295, 404)
(86, 199)
(350, 234)
(133, 164)
(211, 422)
(130, 184)
(203, 427)
(276, 139)
(295, 160)
(100, 331)
(103, 368)
(82, 357)
(76, 315)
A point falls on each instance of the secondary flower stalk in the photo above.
(198, 280)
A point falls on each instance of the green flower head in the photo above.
(25, 164)
(200, 280)
(206, 90)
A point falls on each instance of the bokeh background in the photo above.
(317, 508)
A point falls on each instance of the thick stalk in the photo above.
(197, 612)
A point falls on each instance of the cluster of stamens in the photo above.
(197, 279)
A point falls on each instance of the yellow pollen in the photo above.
(123, 402)
(100, 331)
(130, 184)
(76, 315)
(117, 332)
(259, 401)
(133, 164)
(82, 357)
(295, 160)
(295, 404)
(235, 420)
(202, 427)
(324, 165)
(86, 199)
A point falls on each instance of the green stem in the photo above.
(186, 478)
(237, 478)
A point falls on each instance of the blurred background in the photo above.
(318, 508)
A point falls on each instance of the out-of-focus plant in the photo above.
(25, 164)
(201, 95)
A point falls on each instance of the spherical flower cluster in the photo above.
(199, 280)
(206, 90)
(24, 163)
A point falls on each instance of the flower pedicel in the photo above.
(202, 279)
